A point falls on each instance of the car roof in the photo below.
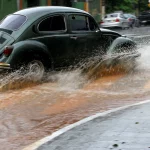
(114, 13)
(43, 10)
(34, 13)
(129, 15)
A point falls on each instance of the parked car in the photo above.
(144, 18)
(115, 20)
(133, 20)
(43, 38)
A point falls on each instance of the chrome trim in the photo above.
(5, 66)
(53, 35)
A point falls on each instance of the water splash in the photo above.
(144, 61)
(89, 70)
(17, 79)
(68, 80)
(83, 73)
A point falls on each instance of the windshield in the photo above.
(12, 22)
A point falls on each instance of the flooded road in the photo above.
(30, 111)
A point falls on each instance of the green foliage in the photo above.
(130, 6)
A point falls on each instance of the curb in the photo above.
(37, 144)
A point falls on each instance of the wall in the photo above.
(79, 5)
(7, 7)
(10, 6)
(42, 3)
(94, 9)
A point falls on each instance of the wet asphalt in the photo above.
(124, 129)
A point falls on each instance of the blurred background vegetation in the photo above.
(97, 8)
(131, 6)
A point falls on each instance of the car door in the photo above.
(78, 36)
(86, 39)
(96, 42)
(52, 31)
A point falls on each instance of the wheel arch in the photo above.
(121, 44)
(28, 50)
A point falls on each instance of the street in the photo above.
(31, 111)
(124, 128)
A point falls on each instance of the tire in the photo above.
(36, 70)
(122, 27)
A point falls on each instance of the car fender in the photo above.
(121, 44)
(24, 51)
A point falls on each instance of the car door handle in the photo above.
(74, 37)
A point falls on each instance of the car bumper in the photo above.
(109, 25)
(4, 67)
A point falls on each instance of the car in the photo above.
(133, 20)
(144, 18)
(116, 19)
(55, 37)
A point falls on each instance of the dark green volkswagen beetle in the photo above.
(55, 37)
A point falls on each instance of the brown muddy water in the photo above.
(30, 111)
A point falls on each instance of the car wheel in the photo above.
(138, 25)
(36, 70)
(122, 26)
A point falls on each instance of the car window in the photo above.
(111, 15)
(133, 16)
(126, 15)
(53, 23)
(13, 22)
(79, 23)
(92, 24)
(122, 16)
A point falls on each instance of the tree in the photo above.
(130, 6)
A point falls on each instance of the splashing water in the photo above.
(85, 72)
(66, 80)
(144, 61)
(17, 79)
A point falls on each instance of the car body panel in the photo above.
(5, 39)
(24, 51)
(115, 46)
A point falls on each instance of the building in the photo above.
(95, 7)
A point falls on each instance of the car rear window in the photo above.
(111, 16)
(12, 22)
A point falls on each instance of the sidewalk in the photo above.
(127, 128)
